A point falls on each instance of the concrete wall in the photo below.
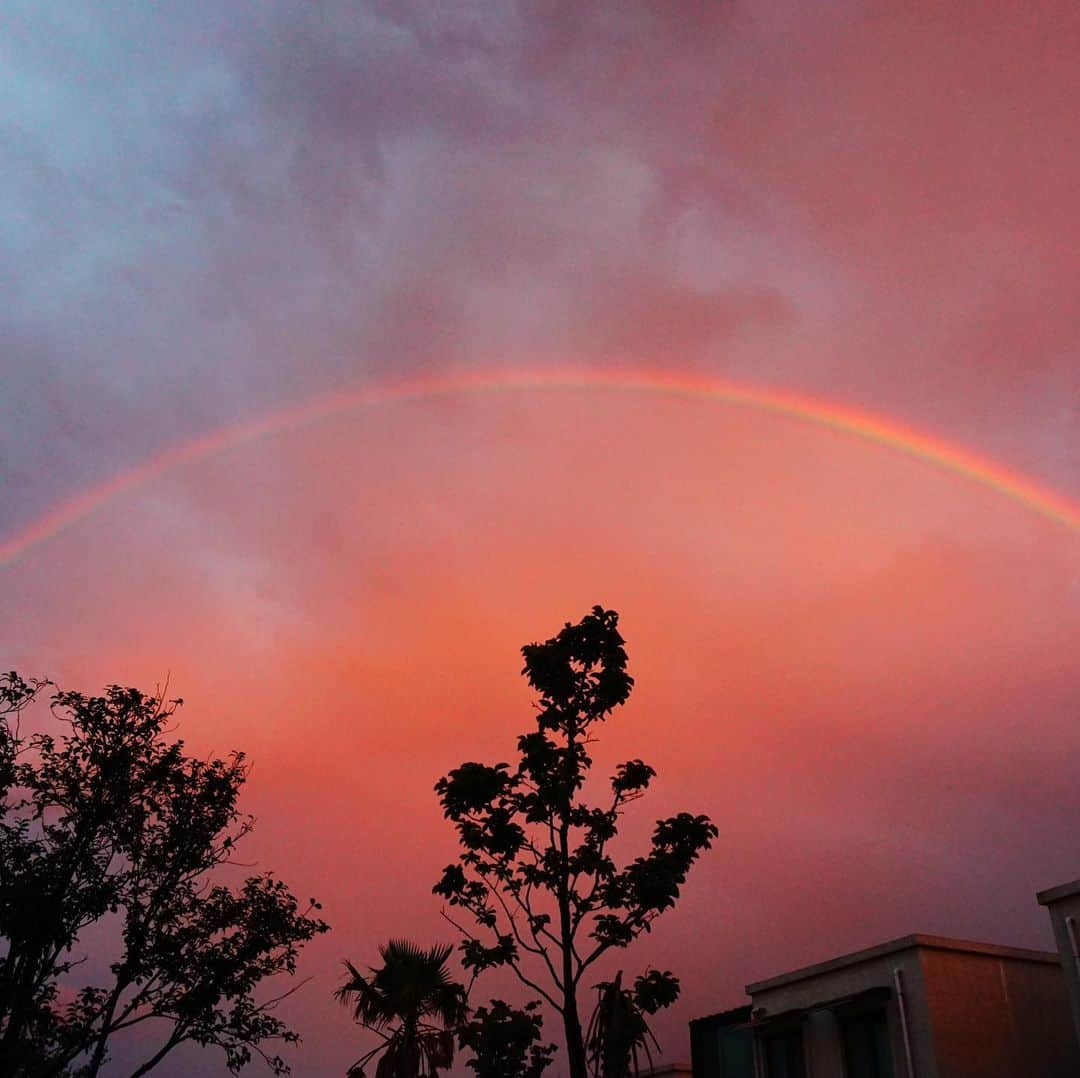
(1062, 903)
(973, 1010)
(822, 1034)
(994, 1017)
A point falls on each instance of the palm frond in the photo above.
(394, 999)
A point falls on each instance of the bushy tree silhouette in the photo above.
(413, 1004)
(109, 821)
(506, 1041)
(535, 872)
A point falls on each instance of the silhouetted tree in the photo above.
(535, 873)
(402, 1001)
(506, 1041)
(109, 821)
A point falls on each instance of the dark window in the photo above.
(722, 1045)
(737, 1054)
(784, 1056)
(867, 1053)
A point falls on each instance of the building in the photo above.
(1063, 905)
(915, 1007)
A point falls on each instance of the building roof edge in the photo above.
(1056, 894)
(916, 941)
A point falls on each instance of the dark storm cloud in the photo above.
(211, 212)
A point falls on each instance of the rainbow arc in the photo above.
(818, 412)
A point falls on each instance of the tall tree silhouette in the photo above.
(413, 1004)
(535, 872)
(107, 821)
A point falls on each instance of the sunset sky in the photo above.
(497, 236)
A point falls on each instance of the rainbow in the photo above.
(818, 412)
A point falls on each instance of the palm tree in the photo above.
(401, 1001)
(618, 1035)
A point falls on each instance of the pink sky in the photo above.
(862, 667)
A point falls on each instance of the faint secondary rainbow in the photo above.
(815, 411)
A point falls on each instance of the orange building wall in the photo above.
(995, 1018)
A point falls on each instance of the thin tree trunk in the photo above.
(98, 1059)
(36, 967)
(174, 1039)
(575, 1039)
